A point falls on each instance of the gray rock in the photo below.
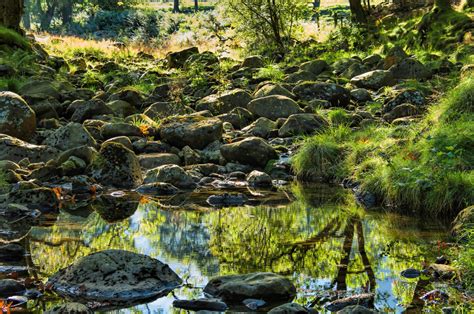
(462, 222)
(411, 273)
(150, 161)
(224, 102)
(226, 200)
(274, 107)
(253, 62)
(15, 150)
(410, 96)
(262, 127)
(361, 95)
(251, 151)
(83, 110)
(160, 110)
(316, 66)
(374, 79)
(39, 89)
(300, 76)
(337, 95)
(12, 252)
(121, 108)
(304, 123)
(116, 166)
(195, 132)
(172, 174)
(16, 117)
(124, 140)
(410, 68)
(269, 287)
(239, 117)
(401, 111)
(259, 179)
(70, 136)
(115, 276)
(111, 130)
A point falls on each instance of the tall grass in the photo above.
(427, 168)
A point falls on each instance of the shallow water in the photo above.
(315, 238)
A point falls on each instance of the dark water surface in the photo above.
(318, 237)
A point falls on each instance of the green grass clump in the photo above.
(427, 167)
(12, 38)
(339, 117)
(271, 72)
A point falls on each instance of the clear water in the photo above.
(311, 234)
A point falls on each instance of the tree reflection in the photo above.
(323, 240)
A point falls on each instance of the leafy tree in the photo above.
(267, 23)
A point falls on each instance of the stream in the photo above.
(315, 235)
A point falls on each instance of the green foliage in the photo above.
(267, 25)
(271, 72)
(12, 38)
(426, 167)
(339, 116)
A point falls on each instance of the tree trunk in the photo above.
(10, 14)
(176, 6)
(27, 14)
(357, 11)
(47, 16)
(196, 5)
(66, 12)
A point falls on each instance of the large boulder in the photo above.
(15, 150)
(39, 89)
(196, 132)
(16, 117)
(250, 151)
(177, 59)
(304, 123)
(121, 108)
(410, 96)
(401, 111)
(115, 276)
(172, 174)
(70, 136)
(10, 287)
(238, 117)
(160, 110)
(274, 107)
(337, 95)
(374, 79)
(410, 68)
(268, 287)
(225, 102)
(116, 166)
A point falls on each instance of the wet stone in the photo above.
(201, 304)
(11, 252)
(225, 200)
(10, 287)
(115, 276)
(411, 273)
(365, 299)
(69, 308)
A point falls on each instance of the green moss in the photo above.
(12, 38)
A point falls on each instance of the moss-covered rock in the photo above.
(16, 117)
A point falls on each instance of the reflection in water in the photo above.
(322, 241)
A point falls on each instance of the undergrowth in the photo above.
(424, 167)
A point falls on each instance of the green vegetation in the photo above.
(424, 167)
(11, 38)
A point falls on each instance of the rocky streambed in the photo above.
(112, 197)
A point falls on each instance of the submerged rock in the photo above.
(269, 287)
(411, 273)
(201, 304)
(115, 276)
